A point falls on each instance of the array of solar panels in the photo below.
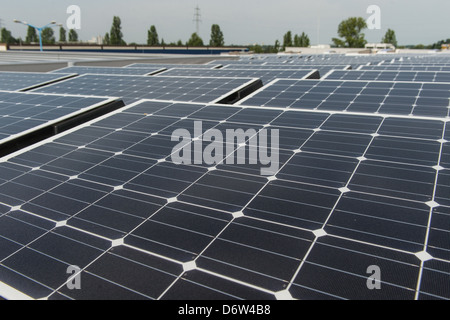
(24, 114)
(416, 76)
(362, 184)
(23, 81)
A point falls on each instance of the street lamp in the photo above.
(39, 30)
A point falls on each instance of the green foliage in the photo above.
(152, 37)
(48, 36)
(287, 40)
(351, 31)
(73, 36)
(217, 38)
(106, 39)
(6, 37)
(116, 35)
(258, 49)
(62, 35)
(32, 36)
(302, 40)
(390, 37)
(195, 41)
(438, 45)
(277, 46)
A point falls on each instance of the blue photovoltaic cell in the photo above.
(360, 173)
(133, 88)
(266, 75)
(405, 68)
(110, 70)
(20, 81)
(347, 185)
(21, 113)
(393, 98)
(372, 75)
(170, 66)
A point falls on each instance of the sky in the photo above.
(243, 22)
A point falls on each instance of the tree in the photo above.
(32, 36)
(287, 40)
(302, 40)
(277, 46)
(73, 36)
(106, 39)
(62, 35)
(48, 36)
(6, 37)
(350, 30)
(195, 41)
(217, 39)
(390, 37)
(116, 35)
(256, 48)
(438, 45)
(152, 37)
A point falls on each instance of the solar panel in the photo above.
(374, 75)
(172, 65)
(23, 81)
(323, 69)
(405, 68)
(110, 70)
(382, 97)
(352, 192)
(29, 117)
(238, 62)
(133, 88)
(266, 75)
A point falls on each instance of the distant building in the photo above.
(321, 46)
(379, 46)
(445, 47)
(96, 40)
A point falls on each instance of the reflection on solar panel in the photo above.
(132, 88)
(390, 98)
(30, 116)
(110, 70)
(351, 192)
(264, 74)
(22, 81)
(372, 75)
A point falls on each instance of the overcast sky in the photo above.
(242, 21)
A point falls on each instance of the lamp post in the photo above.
(39, 30)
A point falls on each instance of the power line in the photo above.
(197, 19)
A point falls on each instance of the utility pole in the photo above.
(197, 19)
(39, 30)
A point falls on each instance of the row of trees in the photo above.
(288, 41)
(48, 36)
(350, 32)
(296, 41)
(115, 37)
